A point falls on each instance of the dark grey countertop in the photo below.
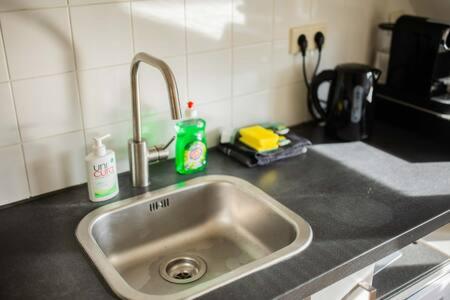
(355, 222)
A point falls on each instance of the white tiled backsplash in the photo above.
(64, 73)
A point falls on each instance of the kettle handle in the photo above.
(324, 76)
(376, 74)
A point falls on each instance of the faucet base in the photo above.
(137, 153)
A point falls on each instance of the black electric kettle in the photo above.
(348, 111)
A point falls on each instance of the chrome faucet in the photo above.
(138, 153)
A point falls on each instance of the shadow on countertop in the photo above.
(405, 142)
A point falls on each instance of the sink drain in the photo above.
(183, 269)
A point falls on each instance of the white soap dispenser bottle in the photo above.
(101, 171)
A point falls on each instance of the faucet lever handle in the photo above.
(159, 152)
(168, 143)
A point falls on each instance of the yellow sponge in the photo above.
(259, 138)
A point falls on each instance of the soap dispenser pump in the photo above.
(101, 171)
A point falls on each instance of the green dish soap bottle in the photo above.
(191, 150)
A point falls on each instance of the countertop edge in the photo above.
(369, 257)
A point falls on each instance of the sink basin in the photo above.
(187, 239)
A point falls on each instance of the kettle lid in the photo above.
(358, 68)
(354, 67)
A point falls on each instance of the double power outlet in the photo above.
(309, 31)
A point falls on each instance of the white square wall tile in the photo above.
(3, 67)
(102, 34)
(56, 162)
(360, 29)
(30, 4)
(209, 76)
(82, 2)
(47, 106)
(335, 13)
(153, 89)
(159, 27)
(251, 109)
(9, 133)
(288, 14)
(252, 21)
(252, 68)
(37, 42)
(13, 177)
(158, 129)
(287, 68)
(118, 142)
(218, 117)
(105, 95)
(208, 24)
(288, 105)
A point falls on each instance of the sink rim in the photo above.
(118, 284)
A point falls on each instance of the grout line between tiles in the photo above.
(198, 52)
(53, 136)
(215, 101)
(311, 10)
(77, 79)
(103, 67)
(41, 76)
(126, 63)
(61, 6)
(272, 60)
(133, 42)
(186, 55)
(98, 3)
(232, 67)
(66, 72)
(84, 130)
(18, 10)
(231, 99)
(272, 46)
(19, 130)
(273, 20)
(188, 87)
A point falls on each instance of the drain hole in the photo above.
(183, 269)
(183, 275)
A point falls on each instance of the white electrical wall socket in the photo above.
(309, 31)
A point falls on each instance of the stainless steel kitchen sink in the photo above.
(187, 239)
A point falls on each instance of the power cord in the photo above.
(302, 42)
(319, 39)
(303, 45)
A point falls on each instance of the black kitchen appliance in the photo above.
(348, 111)
(419, 67)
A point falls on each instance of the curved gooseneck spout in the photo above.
(139, 154)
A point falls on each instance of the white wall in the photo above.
(435, 9)
(404, 6)
(64, 73)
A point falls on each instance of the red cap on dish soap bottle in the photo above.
(190, 111)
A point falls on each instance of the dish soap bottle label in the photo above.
(191, 150)
(103, 174)
(194, 155)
